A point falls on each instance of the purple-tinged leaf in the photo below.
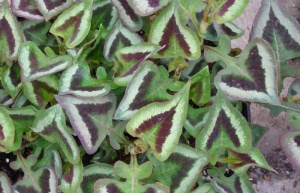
(104, 13)
(7, 129)
(91, 118)
(77, 80)
(132, 58)
(52, 8)
(5, 184)
(35, 64)
(143, 89)
(127, 15)
(51, 125)
(290, 144)
(26, 9)
(71, 178)
(10, 79)
(181, 170)
(74, 24)
(160, 123)
(250, 77)
(176, 39)
(225, 128)
(147, 7)
(11, 36)
(118, 38)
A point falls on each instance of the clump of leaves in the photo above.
(139, 95)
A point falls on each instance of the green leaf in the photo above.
(72, 178)
(170, 33)
(104, 13)
(11, 36)
(160, 123)
(5, 99)
(191, 7)
(26, 9)
(250, 77)
(181, 170)
(7, 129)
(257, 132)
(293, 118)
(290, 144)
(74, 24)
(225, 128)
(51, 125)
(147, 7)
(204, 188)
(5, 184)
(11, 80)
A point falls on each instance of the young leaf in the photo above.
(11, 36)
(127, 15)
(7, 129)
(35, 64)
(72, 178)
(11, 80)
(91, 118)
(118, 38)
(293, 118)
(225, 128)
(143, 89)
(290, 144)
(147, 7)
(160, 123)
(5, 184)
(51, 125)
(250, 77)
(77, 80)
(132, 58)
(26, 9)
(191, 8)
(104, 13)
(181, 170)
(176, 39)
(74, 24)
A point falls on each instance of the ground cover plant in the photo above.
(140, 95)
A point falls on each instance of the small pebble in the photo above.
(7, 160)
(287, 172)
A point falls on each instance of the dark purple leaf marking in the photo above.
(68, 175)
(150, 190)
(76, 83)
(26, 5)
(34, 64)
(89, 181)
(133, 68)
(44, 181)
(153, 3)
(5, 99)
(238, 185)
(196, 89)
(112, 188)
(173, 29)
(75, 20)
(273, 24)
(224, 121)
(14, 74)
(225, 188)
(225, 7)
(129, 11)
(1, 189)
(26, 189)
(246, 159)
(6, 31)
(39, 88)
(228, 31)
(140, 57)
(254, 66)
(53, 4)
(1, 133)
(106, 12)
(119, 39)
(296, 140)
(165, 122)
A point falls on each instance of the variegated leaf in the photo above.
(282, 31)
(74, 24)
(228, 10)
(52, 8)
(147, 7)
(176, 39)
(127, 15)
(71, 178)
(7, 129)
(26, 9)
(183, 159)
(91, 118)
(41, 91)
(250, 77)
(5, 99)
(104, 13)
(160, 124)
(132, 58)
(118, 38)
(94, 172)
(11, 36)
(290, 144)
(225, 128)
(77, 80)
(10, 79)
(143, 89)
(51, 125)
(35, 64)
(5, 184)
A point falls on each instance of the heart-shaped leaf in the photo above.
(132, 58)
(11, 36)
(10, 79)
(5, 184)
(176, 39)
(52, 8)
(26, 9)
(77, 80)
(147, 7)
(91, 118)
(35, 64)
(290, 144)
(51, 125)
(127, 15)
(250, 77)
(160, 123)
(74, 24)
(118, 38)
(72, 178)
(225, 128)
(104, 13)
(143, 89)
(183, 158)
